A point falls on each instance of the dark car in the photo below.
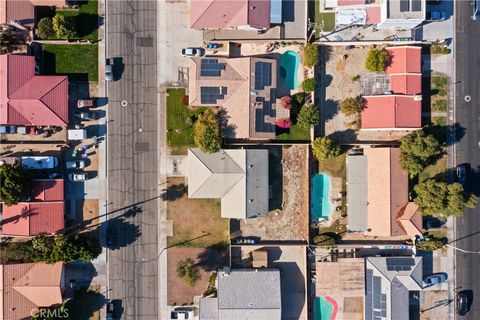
(461, 174)
(476, 10)
(435, 278)
(462, 303)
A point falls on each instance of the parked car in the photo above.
(245, 240)
(39, 162)
(193, 52)
(476, 10)
(435, 278)
(77, 177)
(182, 313)
(75, 164)
(86, 103)
(461, 173)
(462, 303)
(86, 116)
(110, 311)
(109, 69)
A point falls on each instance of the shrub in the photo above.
(351, 106)
(308, 117)
(16, 183)
(64, 27)
(377, 60)
(45, 28)
(284, 123)
(324, 148)
(188, 271)
(286, 102)
(309, 85)
(429, 245)
(207, 132)
(440, 105)
(310, 52)
(418, 150)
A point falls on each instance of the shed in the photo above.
(77, 134)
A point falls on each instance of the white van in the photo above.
(40, 162)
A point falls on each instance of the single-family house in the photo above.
(26, 287)
(243, 89)
(402, 108)
(23, 11)
(377, 195)
(392, 288)
(43, 213)
(238, 177)
(29, 99)
(249, 294)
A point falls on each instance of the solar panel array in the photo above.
(263, 75)
(210, 95)
(211, 68)
(400, 264)
(375, 300)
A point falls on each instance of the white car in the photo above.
(77, 177)
(193, 52)
(76, 164)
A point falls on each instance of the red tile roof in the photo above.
(28, 99)
(23, 10)
(407, 59)
(46, 214)
(221, 14)
(391, 111)
(27, 286)
(406, 83)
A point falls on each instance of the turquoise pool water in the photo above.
(289, 63)
(323, 309)
(321, 205)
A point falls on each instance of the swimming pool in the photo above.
(325, 308)
(289, 63)
(321, 205)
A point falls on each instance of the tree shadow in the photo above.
(455, 133)
(174, 192)
(229, 129)
(212, 258)
(86, 23)
(85, 304)
(348, 135)
(121, 233)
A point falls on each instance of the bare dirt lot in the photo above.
(288, 218)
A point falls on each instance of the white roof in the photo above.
(77, 134)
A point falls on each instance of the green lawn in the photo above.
(79, 62)
(179, 132)
(328, 18)
(334, 167)
(294, 133)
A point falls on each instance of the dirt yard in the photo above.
(197, 219)
(209, 260)
(289, 180)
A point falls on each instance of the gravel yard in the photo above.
(289, 169)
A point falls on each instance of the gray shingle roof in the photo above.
(357, 192)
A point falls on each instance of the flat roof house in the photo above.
(44, 213)
(28, 286)
(393, 285)
(249, 294)
(224, 14)
(29, 99)
(377, 195)
(238, 177)
(243, 88)
(402, 109)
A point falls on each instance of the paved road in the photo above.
(132, 158)
(467, 46)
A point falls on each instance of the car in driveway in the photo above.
(77, 177)
(86, 116)
(462, 303)
(435, 278)
(193, 52)
(75, 164)
(86, 103)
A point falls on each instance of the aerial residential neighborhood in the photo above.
(239, 159)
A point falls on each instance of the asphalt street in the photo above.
(132, 158)
(467, 99)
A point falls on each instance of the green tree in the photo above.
(309, 85)
(64, 26)
(325, 148)
(417, 151)
(16, 183)
(310, 52)
(377, 60)
(442, 200)
(351, 105)
(8, 41)
(207, 132)
(188, 271)
(44, 28)
(308, 117)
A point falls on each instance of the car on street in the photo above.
(75, 164)
(86, 103)
(435, 278)
(461, 174)
(109, 69)
(476, 10)
(193, 52)
(86, 116)
(462, 303)
(77, 177)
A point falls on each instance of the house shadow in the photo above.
(275, 178)
(328, 107)
(212, 258)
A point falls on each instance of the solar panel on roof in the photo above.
(404, 5)
(210, 95)
(211, 68)
(400, 264)
(263, 75)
